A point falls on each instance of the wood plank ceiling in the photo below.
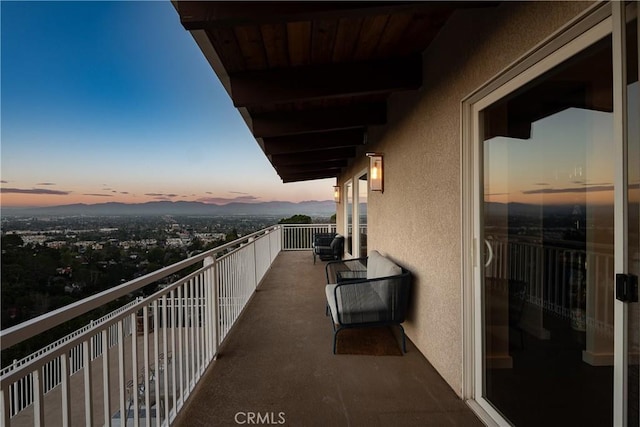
(310, 77)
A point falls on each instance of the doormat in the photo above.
(368, 341)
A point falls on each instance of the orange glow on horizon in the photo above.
(596, 198)
(42, 200)
(20, 196)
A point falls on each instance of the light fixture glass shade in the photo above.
(336, 193)
(376, 172)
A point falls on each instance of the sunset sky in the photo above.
(114, 101)
(580, 167)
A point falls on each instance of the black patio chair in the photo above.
(327, 246)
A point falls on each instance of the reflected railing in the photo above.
(573, 284)
(138, 364)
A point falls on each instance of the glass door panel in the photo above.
(363, 192)
(633, 195)
(548, 214)
(349, 218)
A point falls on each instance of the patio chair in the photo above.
(518, 291)
(327, 246)
(367, 292)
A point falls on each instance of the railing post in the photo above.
(181, 323)
(65, 390)
(212, 285)
(88, 392)
(252, 242)
(134, 367)
(269, 233)
(174, 326)
(145, 349)
(12, 400)
(38, 399)
(106, 386)
(5, 409)
(121, 382)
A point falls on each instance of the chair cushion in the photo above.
(358, 303)
(379, 266)
(329, 290)
(336, 242)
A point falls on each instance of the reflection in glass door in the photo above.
(548, 222)
(633, 216)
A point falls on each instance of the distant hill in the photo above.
(311, 208)
(549, 210)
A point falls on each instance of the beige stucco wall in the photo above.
(417, 220)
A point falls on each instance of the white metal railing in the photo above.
(299, 237)
(557, 276)
(140, 362)
(21, 392)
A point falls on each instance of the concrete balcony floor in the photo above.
(278, 362)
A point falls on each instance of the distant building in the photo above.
(57, 244)
(175, 242)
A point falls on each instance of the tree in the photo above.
(156, 256)
(11, 241)
(233, 235)
(196, 245)
(296, 219)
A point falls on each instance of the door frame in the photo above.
(356, 209)
(348, 251)
(598, 21)
(621, 14)
(354, 181)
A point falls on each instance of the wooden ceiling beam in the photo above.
(275, 86)
(311, 158)
(198, 15)
(310, 176)
(266, 125)
(314, 141)
(334, 165)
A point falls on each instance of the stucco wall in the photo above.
(417, 220)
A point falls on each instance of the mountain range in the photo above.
(311, 208)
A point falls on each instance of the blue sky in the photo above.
(114, 101)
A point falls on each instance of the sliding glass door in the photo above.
(556, 223)
(633, 218)
(547, 216)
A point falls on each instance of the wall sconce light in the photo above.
(336, 193)
(376, 172)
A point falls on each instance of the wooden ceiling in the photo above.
(310, 77)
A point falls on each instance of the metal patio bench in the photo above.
(367, 292)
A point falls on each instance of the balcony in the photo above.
(241, 338)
